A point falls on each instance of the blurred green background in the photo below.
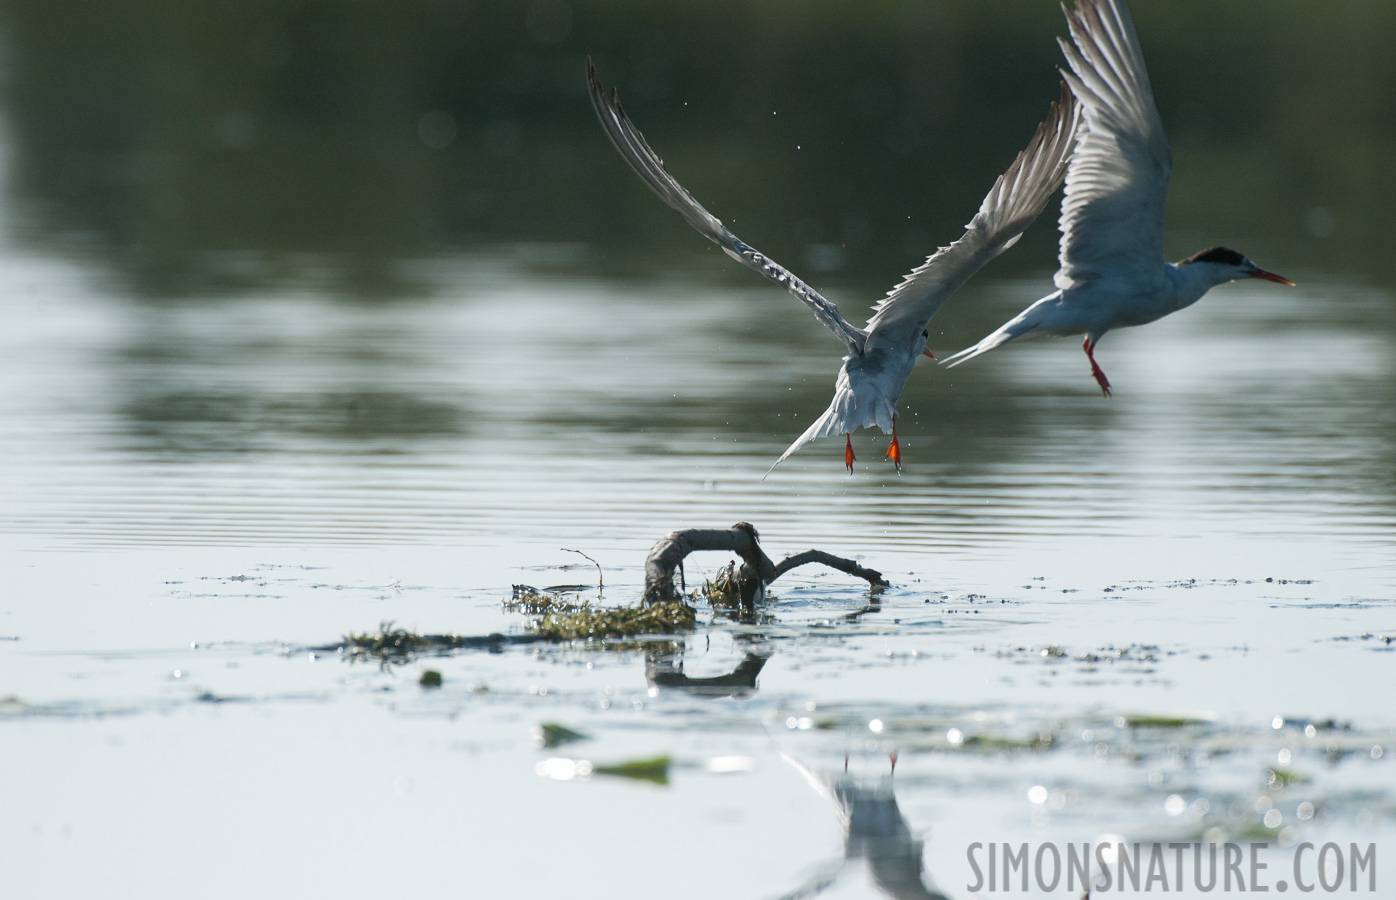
(190, 147)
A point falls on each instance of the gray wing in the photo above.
(1016, 199)
(1112, 216)
(634, 150)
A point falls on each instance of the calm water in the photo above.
(258, 392)
(194, 495)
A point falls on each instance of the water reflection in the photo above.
(358, 422)
(664, 669)
(876, 835)
(314, 184)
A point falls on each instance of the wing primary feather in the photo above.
(1117, 180)
(635, 150)
(1015, 200)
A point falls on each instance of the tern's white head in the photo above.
(1220, 265)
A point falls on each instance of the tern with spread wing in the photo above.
(882, 354)
(1112, 273)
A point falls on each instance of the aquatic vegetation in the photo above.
(560, 618)
(535, 602)
(723, 591)
(396, 646)
(655, 770)
(430, 679)
(600, 623)
(551, 734)
(387, 643)
(985, 743)
(1278, 778)
(1161, 721)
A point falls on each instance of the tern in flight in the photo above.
(882, 354)
(1112, 273)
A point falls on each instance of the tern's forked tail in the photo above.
(1010, 331)
(827, 425)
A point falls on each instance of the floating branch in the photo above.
(556, 617)
(757, 570)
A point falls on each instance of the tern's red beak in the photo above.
(927, 352)
(1271, 276)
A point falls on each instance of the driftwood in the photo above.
(756, 572)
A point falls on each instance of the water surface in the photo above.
(259, 391)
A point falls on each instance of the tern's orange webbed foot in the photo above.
(1096, 372)
(894, 450)
(848, 456)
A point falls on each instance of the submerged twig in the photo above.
(600, 580)
(756, 571)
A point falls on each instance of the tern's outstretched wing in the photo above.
(1016, 199)
(1112, 217)
(632, 147)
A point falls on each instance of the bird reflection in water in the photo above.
(876, 835)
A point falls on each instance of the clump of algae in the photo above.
(559, 618)
(655, 770)
(721, 591)
(388, 643)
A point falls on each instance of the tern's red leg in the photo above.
(848, 456)
(1089, 346)
(894, 450)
